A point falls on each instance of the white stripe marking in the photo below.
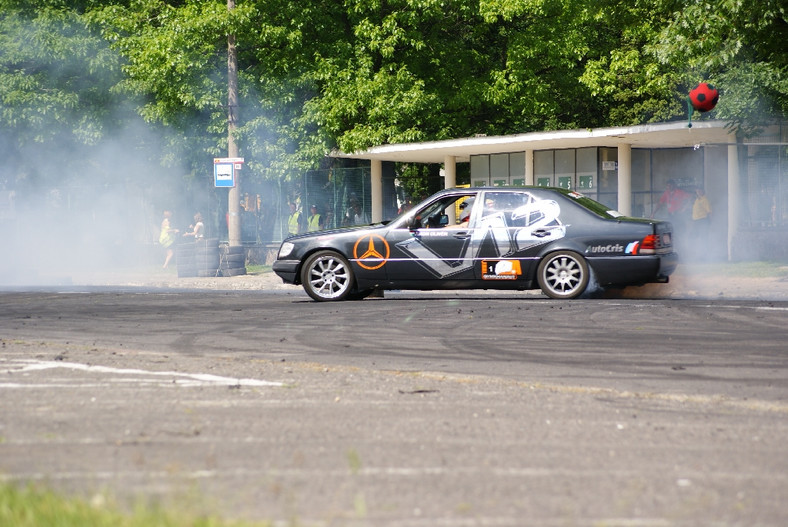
(191, 379)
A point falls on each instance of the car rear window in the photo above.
(597, 208)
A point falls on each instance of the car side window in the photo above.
(504, 203)
(438, 214)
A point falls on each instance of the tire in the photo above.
(207, 253)
(327, 276)
(235, 249)
(207, 243)
(360, 295)
(206, 263)
(563, 275)
(183, 251)
(234, 260)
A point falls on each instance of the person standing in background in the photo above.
(675, 201)
(701, 215)
(315, 220)
(198, 229)
(167, 238)
(294, 220)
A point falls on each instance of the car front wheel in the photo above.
(326, 276)
(563, 274)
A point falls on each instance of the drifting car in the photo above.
(514, 238)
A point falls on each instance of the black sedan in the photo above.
(484, 238)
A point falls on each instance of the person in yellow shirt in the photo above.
(167, 238)
(701, 216)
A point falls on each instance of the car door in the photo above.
(431, 245)
(510, 229)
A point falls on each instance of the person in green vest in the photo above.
(315, 221)
(294, 220)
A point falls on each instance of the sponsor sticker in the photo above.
(611, 248)
(615, 248)
(501, 269)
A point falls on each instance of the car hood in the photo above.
(330, 232)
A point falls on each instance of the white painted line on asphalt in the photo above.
(180, 378)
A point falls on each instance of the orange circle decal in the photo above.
(374, 252)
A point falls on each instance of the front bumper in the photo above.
(287, 270)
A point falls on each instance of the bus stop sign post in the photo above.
(224, 170)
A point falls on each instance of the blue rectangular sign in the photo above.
(223, 175)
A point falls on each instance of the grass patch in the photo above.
(32, 507)
(740, 269)
(258, 269)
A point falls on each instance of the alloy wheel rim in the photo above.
(563, 274)
(328, 277)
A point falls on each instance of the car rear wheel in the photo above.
(326, 276)
(563, 274)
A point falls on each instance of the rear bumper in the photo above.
(287, 270)
(667, 264)
(632, 270)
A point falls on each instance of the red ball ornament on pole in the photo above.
(702, 98)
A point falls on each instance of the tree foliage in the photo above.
(56, 76)
(318, 74)
(738, 46)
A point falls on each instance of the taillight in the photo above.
(649, 244)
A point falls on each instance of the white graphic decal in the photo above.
(509, 231)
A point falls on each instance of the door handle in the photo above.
(540, 233)
(461, 235)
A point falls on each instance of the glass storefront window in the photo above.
(544, 168)
(480, 170)
(517, 168)
(586, 171)
(565, 168)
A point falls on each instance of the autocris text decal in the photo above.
(615, 248)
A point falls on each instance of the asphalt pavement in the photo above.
(271, 407)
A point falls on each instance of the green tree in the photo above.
(173, 64)
(415, 70)
(318, 74)
(738, 46)
(56, 76)
(62, 120)
(625, 80)
(661, 49)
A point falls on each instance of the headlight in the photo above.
(285, 249)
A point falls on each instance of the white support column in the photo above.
(529, 167)
(449, 172)
(625, 179)
(376, 189)
(450, 181)
(734, 197)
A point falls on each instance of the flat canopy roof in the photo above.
(660, 135)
